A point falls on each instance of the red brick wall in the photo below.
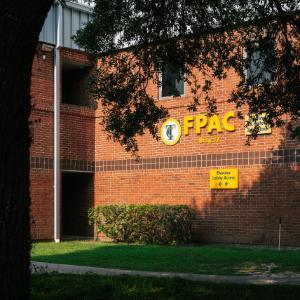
(268, 179)
(77, 133)
(269, 185)
(41, 186)
(41, 174)
(248, 215)
(77, 122)
(77, 138)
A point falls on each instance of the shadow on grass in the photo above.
(88, 287)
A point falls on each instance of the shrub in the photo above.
(151, 224)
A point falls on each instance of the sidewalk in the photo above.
(280, 278)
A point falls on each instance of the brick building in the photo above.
(74, 166)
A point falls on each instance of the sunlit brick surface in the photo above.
(269, 172)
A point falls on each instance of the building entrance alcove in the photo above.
(77, 198)
(75, 83)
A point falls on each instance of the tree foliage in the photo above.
(205, 39)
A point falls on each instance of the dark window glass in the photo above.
(75, 80)
(31, 133)
(261, 62)
(172, 82)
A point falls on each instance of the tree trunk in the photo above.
(20, 25)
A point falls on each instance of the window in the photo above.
(261, 62)
(31, 133)
(172, 82)
(75, 83)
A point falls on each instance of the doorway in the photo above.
(77, 198)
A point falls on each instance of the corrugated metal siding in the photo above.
(48, 33)
(73, 19)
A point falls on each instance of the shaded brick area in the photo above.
(41, 163)
(77, 134)
(77, 165)
(41, 187)
(66, 164)
(247, 215)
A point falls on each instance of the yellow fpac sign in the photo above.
(223, 179)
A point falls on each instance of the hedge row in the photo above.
(151, 224)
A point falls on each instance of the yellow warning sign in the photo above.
(222, 179)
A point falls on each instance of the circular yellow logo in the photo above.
(170, 132)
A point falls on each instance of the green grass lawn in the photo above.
(88, 287)
(208, 259)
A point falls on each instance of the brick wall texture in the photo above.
(269, 169)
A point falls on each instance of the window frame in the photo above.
(246, 70)
(160, 97)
